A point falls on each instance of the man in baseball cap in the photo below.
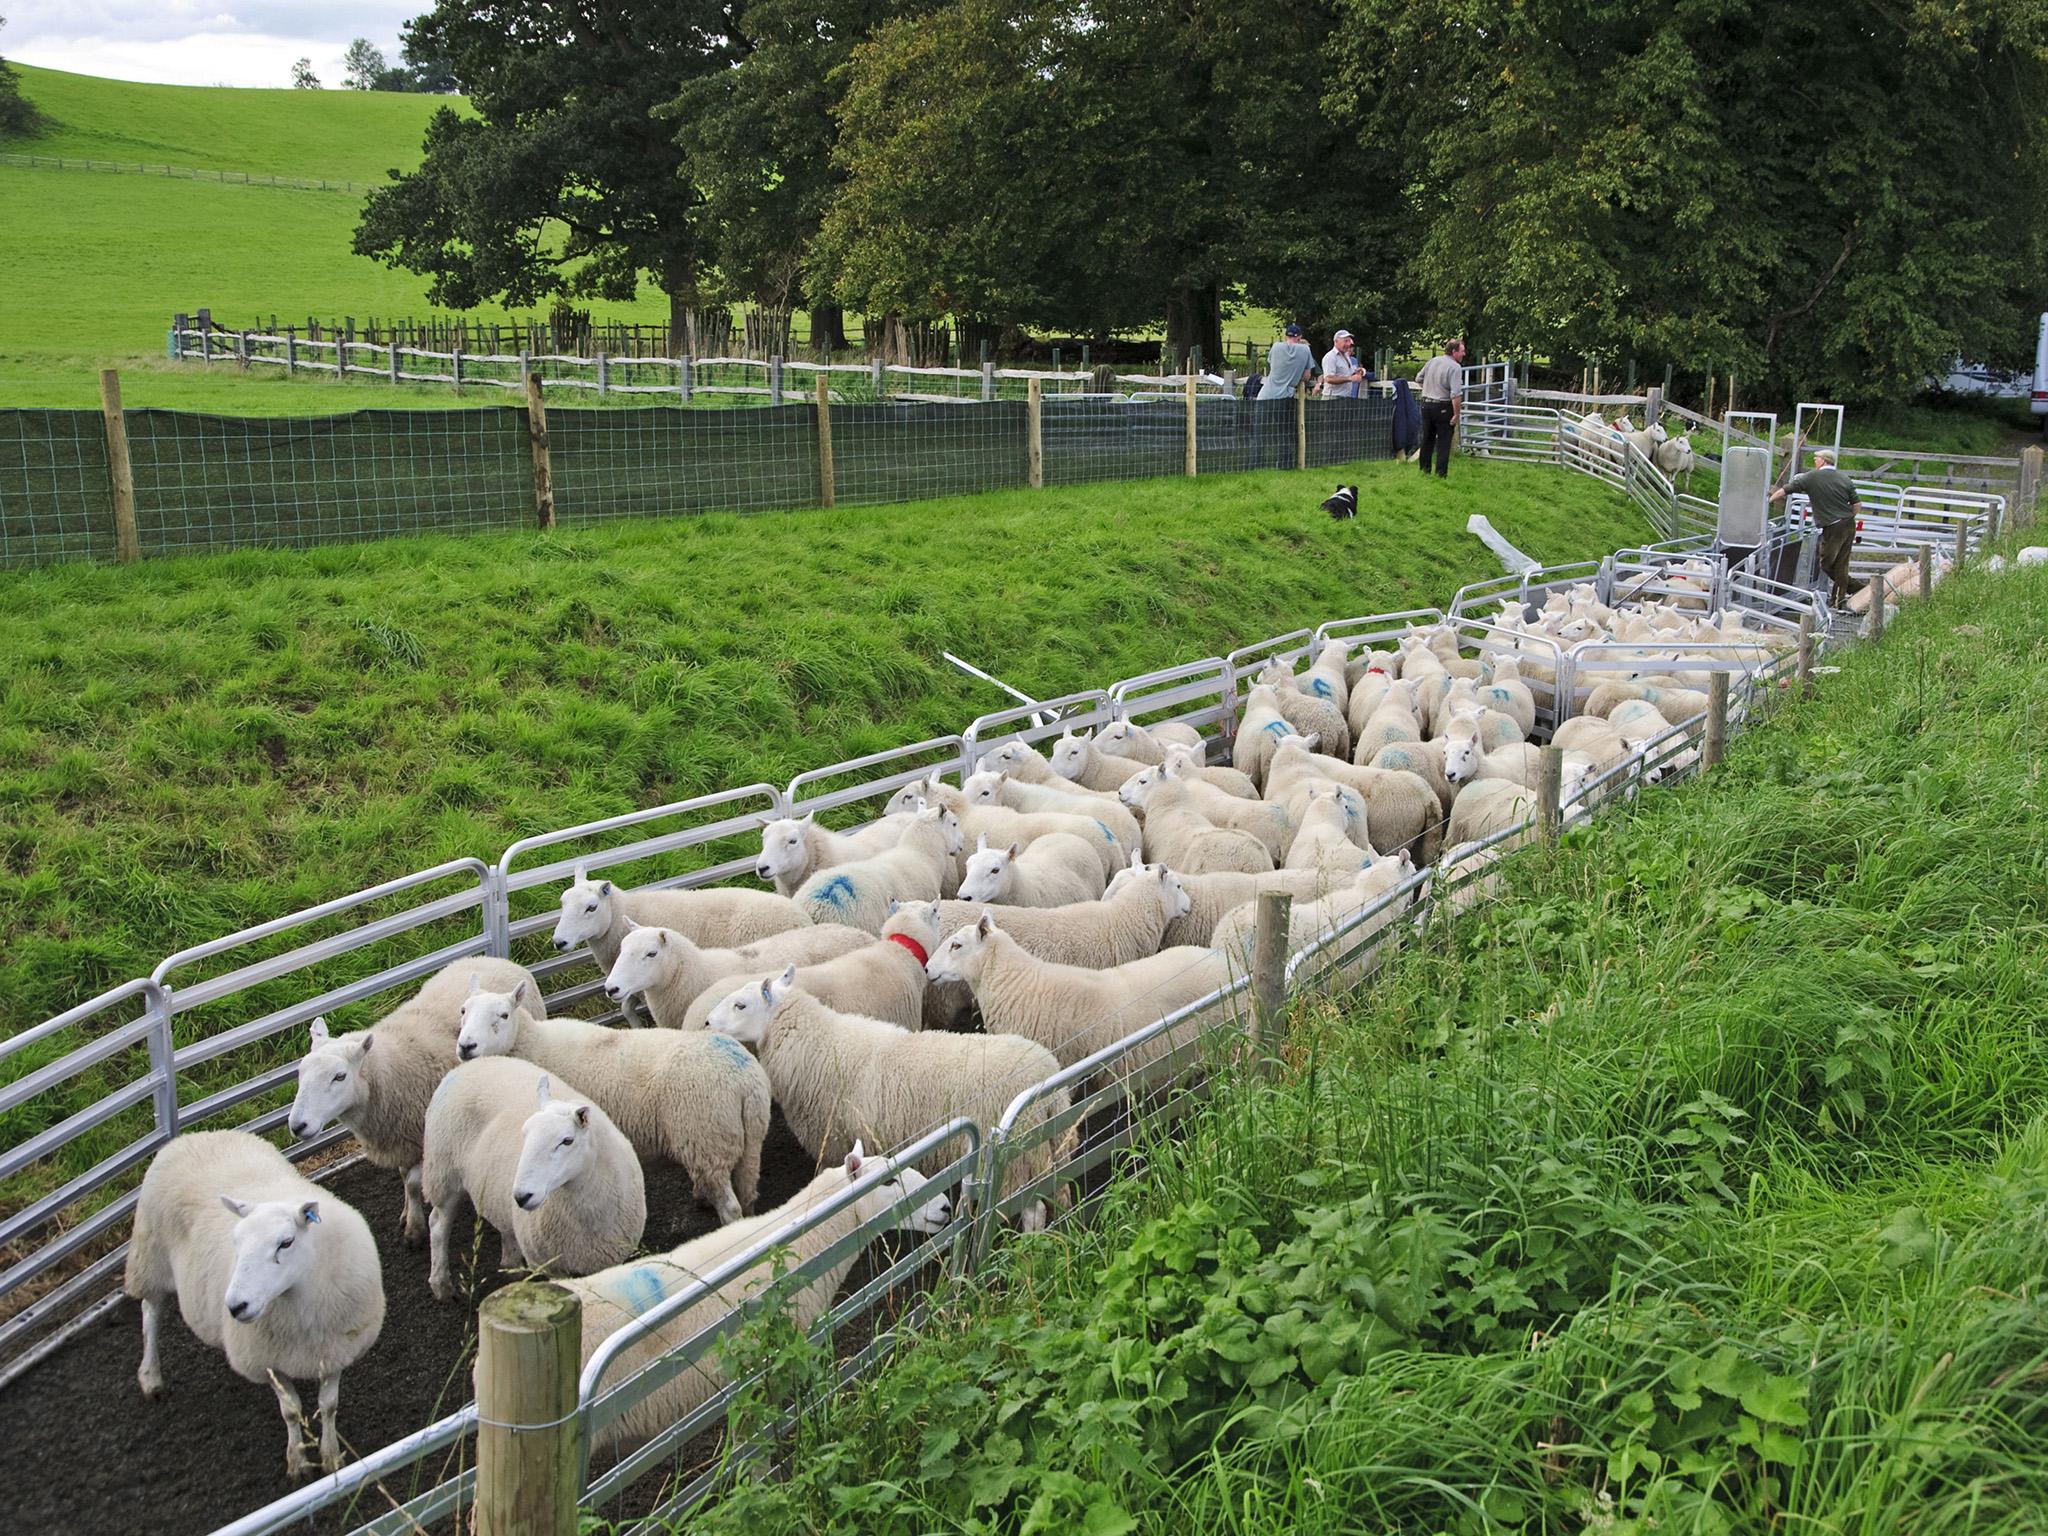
(1341, 369)
(1287, 364)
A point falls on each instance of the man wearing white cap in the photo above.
(1342, 369)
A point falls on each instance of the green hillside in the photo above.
(103, 260)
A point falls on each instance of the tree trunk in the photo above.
(1194, 318)
(829, 321)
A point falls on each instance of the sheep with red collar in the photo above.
(268, 1268)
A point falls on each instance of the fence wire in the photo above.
(54, 489)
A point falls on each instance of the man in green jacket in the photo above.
(1832, 495)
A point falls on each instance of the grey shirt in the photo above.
(1286, 366)
(1441, 377)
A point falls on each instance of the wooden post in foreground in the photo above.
(1191, 423)
(1805, 655)
(1927, 569)
(1549, 792)
(827, 488)
(1034, 434)
(1715, 745)
(1962, 546)
(1301, 424)
(120, 472)
(1269, 969)
(543, 470)
(2029, 496)
(528, 1466)
(1880, 589)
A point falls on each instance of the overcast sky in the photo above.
(194, 42)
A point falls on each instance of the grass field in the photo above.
(1698, 1182)
(191, 746)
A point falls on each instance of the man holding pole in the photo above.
(1832, 496)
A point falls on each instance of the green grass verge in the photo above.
(1698, 1182)
(191, 746)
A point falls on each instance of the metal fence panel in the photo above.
(55, 498)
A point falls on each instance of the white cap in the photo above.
(1341, 336)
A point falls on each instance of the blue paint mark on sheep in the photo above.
(1394, 757)
(1278, 728)
(1320, 687)
(640, 1288)
(730, 1048)
(837, 891)
(1107, 835)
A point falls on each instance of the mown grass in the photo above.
(191, 746)
(1697, 1183)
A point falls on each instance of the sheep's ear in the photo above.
(1137, 860)
(582, 1114)
(810, 817)
(369, 1038)
(540, 1089)
(894, 906)
(788, 976)
(476, 983)
(767, 989)
(981, 842)
(318, 1030)
(854, 1159)
(309, 1214)
(1312, 740)
(1015, 849)
(520, 993)
(604, 887)
(986, 923)
(235, 1207)
(632, 924)
(580, 872)
(664, 937)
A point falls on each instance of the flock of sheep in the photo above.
(1673, 455)
(966, 946)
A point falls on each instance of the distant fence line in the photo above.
(120, 483)
(181, 173)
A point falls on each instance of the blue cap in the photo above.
(1293, 328)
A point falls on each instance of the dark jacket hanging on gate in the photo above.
(1407, 418)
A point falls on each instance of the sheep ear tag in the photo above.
(309, 1214)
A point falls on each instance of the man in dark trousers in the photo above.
(1832, 495)
(1442, 387)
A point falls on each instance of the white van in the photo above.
(2041, 374)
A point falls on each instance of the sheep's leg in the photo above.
(151, 1374)
(330, 1436)
(415, 1208)
(629, 1010)
(714, 1188)
(294, 1413)
(746, 1178)
(510, 1255)
(440, 1229)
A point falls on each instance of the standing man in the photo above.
(1832, 495)
(1341, 369)
(1287, 364)
(1442, 385)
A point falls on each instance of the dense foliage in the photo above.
(17, 114)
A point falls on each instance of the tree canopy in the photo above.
(17, 113)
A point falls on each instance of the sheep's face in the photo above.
(744, 1012)
(1173, 894)
(1136, 791)
(918, 920)
(586, 913)
(924, 1219)
(273, 1252)
(645, 960)
(785, 850)
(330, 1080)
(983, 789)
(951, 837)
(989, 872)
(958, 957)
(1461, 751)
(1113, 738)
(1276, 674)
(554, 1147)
(1070, 756)
(1007, 759)
(490, 1022)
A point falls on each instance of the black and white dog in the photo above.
(1344, 504)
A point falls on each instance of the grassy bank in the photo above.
(1697, 1183)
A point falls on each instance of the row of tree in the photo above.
(1832, 202)
(364, 68)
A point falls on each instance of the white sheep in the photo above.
(1000, 824)
(1426, 760)
(1322, 841)
(553, 1175)
(381, 1095)
(616, 1298)
(1310, 714)
(1075, 1011)
(1075, 758)
(678, 1097)
(841, 1078)
(1505, 691)
(275, 1272)
(1521, 763)
(1401, 809)
(794, 848)
(1677, 705)
(1128, 923)
(1312, 922)
(1397, 718)
(1269, 823)
(1019, 760)
(1178, 834)
(1227, 779)
(1052, 872)
(916, 869)
(882, 981)
(1675, 458)
(996, 789)
(1208, 897)
(1260, 728)
(1146, 744)
(665, 969)
(1638, 720)
(1496, 728)
(1487, 806)
(1367, 694)
(599, 914)
(1599, 741)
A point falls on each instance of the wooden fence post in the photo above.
(1034, 434)
(120, 472)
(455, 366)
(291, 352)
(543, 468)
(1191, 425)
(1962, 545)
(1653, 411)
(1301, 424)
(1806, 656)
(2030, 489)
(394, 359)
(1927, 569)
(603, 374)
(1714, 746)
(528, 1463)
(1549, 793)
(1880, 589)
(827, 490)
(1269, 970)
(685, 370)
(775, 380)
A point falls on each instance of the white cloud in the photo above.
(185, 42)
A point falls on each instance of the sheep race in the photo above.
(1004, 952)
